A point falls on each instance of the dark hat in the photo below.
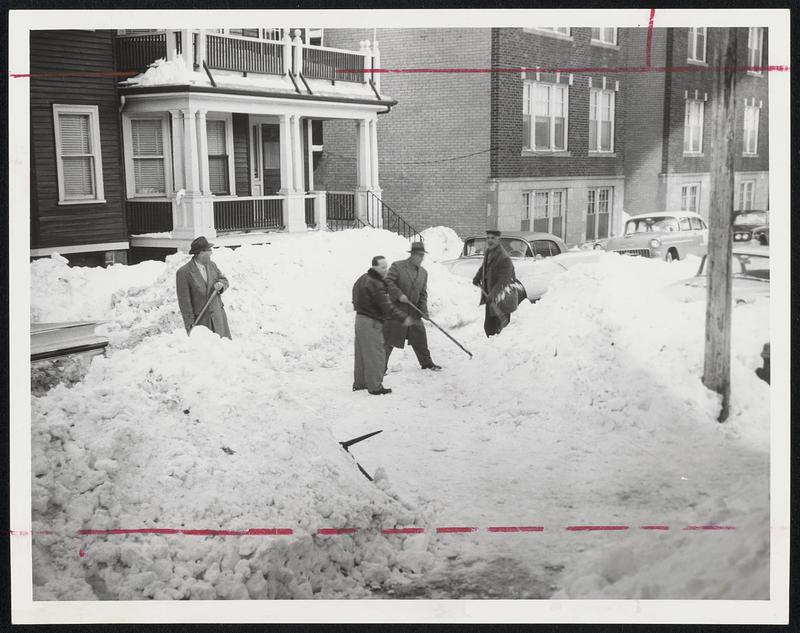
(199, 245)
(417, 247)
(493, 232)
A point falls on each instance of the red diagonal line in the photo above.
(408, 530)
(450, 530)
(649, 37)
(516, 528)
(654, 527)
(709, 527)
(326, 531)
(589, 528)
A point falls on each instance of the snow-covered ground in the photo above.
(587, 410)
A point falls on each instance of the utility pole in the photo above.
(717, 364)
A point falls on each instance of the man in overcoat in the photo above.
(408, 286)
(497, 280)
(373, 308)
(196, 281)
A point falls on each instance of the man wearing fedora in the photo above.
(407, 281)
(196, 281)
(499, 289)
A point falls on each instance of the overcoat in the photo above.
(194, 291)
(404, 278)
(496, 277)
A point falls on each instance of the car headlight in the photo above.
(655, 243)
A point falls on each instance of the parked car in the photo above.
(669, 236)
(538, 258)
(749, 276)
(749, 225)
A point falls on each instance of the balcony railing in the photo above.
(244, 54)
(146, 216)
(250, 213)
(311, 216)
(322, 63)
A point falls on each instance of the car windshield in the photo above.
(744, 266)
(654, 223)
(514, 246)
(754, 217)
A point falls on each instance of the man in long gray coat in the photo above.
(196, 281)
(407, 281)
(500, 290)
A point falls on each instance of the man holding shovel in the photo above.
(497, 280)
(199, 284)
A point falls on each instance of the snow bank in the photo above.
(163, 72)
(442, 243)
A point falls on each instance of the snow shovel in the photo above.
(203, 311)
(346, 446)
(436, 325)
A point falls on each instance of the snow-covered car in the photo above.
(749, 276)
(669, 236)
(537, 257)
(746, 225)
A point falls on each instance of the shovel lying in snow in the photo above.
(436, 325)
(346, 446)
(203, 311)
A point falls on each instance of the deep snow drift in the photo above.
(588, 408)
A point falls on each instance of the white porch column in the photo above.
(202, 152)
(373, 139)
(363, 173)
(177, 147)
(201, 47)
(297, 155)
(187, 49)
(310, 149)
(321, 209)
(172, 45)
(293, 206)
(190, 161)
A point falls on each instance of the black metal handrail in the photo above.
(381, 215)
(148, 216)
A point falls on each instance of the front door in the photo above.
(265, 157)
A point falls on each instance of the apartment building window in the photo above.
(693, 127)
(554, 31)
(544, 114)
(601, 120)
(755, 41)
(218, 157)
(604, 36)
(525, 223)
(690, 197)
(697, 44)
(751, 115)
(598, 212)
(746, 192)
(79, 164)
(549, 207)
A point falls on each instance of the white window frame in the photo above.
(694, 31)
(755, 115)
(127, 141)
(94, 133)
(684, 196)
(744, 186)
(687, 128)
(595, 205)
(529, 101)
(532, 205)
(227, 117)
(596, 108)
(600, 41)
(558, 32)
(753, 33)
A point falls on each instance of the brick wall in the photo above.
(438, 117)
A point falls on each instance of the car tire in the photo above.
(672, 256)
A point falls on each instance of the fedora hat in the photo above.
(199, 245)
(494, 232)
(417, 247)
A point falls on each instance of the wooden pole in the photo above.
(717, 364)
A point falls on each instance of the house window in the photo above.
(604, 36)
(147, 149)
(245, 32)
(755, 40)
(690, 197)
(545, 108)
(218, 157)
(558, 31)
(79, 163)
(548, 210)
(751, 115)
(693, 127)
(598, 212)
(746, 190)
(525, 224)
(697, 44)
(601, 120)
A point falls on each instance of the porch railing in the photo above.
(311, 204)
(250, 213)
(321, 63)
(341, 211)
(380, 214)
(146, 216)
(137, 52)
(244, 54)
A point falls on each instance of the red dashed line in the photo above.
(655, 527)
(592, 528)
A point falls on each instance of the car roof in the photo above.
(525, 235)
(677, 214)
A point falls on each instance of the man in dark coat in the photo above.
(196, 281)
(497, 281)
(373, 307)
(408, 286)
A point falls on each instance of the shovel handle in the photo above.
(205, 307)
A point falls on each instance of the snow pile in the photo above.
(201, 433)
(163, 72)
(442, 243)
